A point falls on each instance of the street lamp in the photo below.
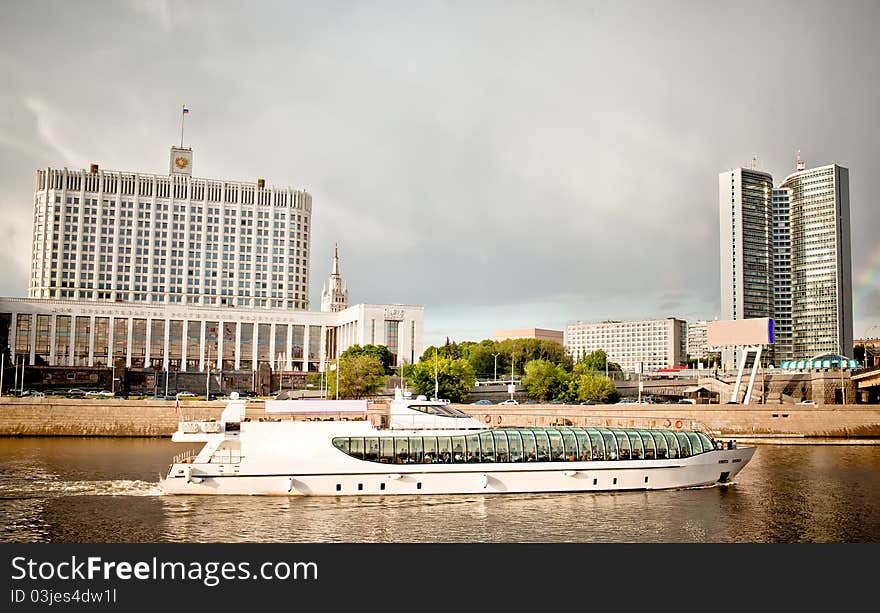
(495, 355)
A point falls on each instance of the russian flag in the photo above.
(185, 111)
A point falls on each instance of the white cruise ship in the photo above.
(424, 447)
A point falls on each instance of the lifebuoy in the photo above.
(499, 419)
(488, 419)
(678, 424)
(668, 423)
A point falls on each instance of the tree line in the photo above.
(450, 371)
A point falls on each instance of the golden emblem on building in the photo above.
(181, 162)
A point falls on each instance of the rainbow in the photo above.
(867, 280)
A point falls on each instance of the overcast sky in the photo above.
(504, 164)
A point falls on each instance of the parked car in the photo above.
(509, 401)
(33, 394)
(687, 401)
(483, 401)
(101, 393)
(185, 394)
(807, 402)
(76, 393)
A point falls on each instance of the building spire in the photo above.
(334, 297)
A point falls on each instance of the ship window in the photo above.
(514, 442)
(357, 448)
(341, 444)
(543, 443)
(415, 450)
(487, 442)
(622, 445)
(501, 454)
(595, 482)
(429, 443)
(598, 444)
(381, 486)
(584, 444)
(635, 443)
(472, 451)
(557, 452)
(615, 481)
(530, 449)
(401, 450)
(371, 449)
(419, 485)
(610, 446)
(646, 479)
(660, 442)
(684, 444)
(444, 449)
(457, 449)
(648, 444)
(696, 443)
(673, 444)
(360, 487)
(707, 444)
(386, 450)
(570, 444)
(338, 487)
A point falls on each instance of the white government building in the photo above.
(173, 272)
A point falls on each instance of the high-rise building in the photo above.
(821, 261)
(782, 349)
(785, 254)
(147, 238)
(649, 345)
(334, 298)
(745, 202)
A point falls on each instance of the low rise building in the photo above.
(647, 345)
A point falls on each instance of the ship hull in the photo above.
(362, 478)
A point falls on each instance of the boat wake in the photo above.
(51, 488)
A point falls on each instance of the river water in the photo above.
(105, 490)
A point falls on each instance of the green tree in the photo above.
(595, 387)
(359, 376)
(380, 352)
(455, 378)
(541, 379)
(596, 361)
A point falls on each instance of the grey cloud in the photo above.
(504, 164)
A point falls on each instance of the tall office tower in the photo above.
(745, 201)
(334, 298)
(821, 261)
(782, 274)
(146, 238)
(745, 198)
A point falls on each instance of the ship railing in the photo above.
(322, 416)
(185, 457)
(423, 422)
(530, 420)
(199, 427)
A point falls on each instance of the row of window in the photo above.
(527, 445)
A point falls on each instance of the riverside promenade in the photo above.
(158, 418)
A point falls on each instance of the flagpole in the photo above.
(182, 119)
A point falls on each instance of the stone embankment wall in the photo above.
(63, 417)
(753, 421)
